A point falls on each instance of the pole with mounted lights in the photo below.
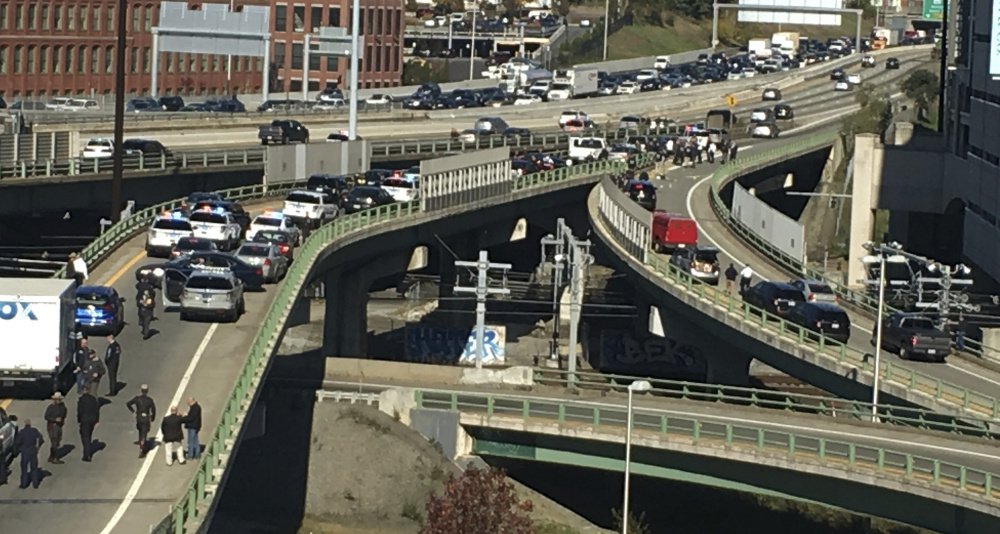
(117, 167)
(607, 22)
(637, 386)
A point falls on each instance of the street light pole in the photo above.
(119, 133)
(607, 11)
(878, 336)
(472, 49)
(352, 118)
(638, 385)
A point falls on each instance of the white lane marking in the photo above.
(970, 373)
(151, 456)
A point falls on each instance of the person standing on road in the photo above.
(746, 276)
(732, 150)
(192, 422)
(144, 408)
(145, 300)
(80, 358)
(112, 360)
(95, 371)
(173, 435)
(711, 152)
(88, 414)
(77, 268)
(731, 275)
(26, 443)
(55, 418)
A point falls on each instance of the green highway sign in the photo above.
(933, 9)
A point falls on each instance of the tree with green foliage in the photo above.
(478, 501)
(922, 86)
(636, 523)
(874, 116)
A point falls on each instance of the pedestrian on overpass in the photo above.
(112, 360)
(746, 276)
(77, 268)
(173, 435)
(55, 418)
(144, 408)
(192, 422)
(732, 150)
(88, 415)
(26, 443)
(731, 275)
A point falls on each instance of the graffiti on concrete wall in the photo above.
(439, 345)
(622, 352)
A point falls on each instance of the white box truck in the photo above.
(760, 48)
(574, 83)
(37, 324)
(788, 42)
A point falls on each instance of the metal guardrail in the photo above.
(774, 400)
(217, 450)
(974, 484)
(755, 321)
(732, 170)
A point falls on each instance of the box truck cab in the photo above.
(37, 325)
(672, 231)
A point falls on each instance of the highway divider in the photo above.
(195, 505)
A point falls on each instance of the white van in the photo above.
(586, 148)
(661, 62)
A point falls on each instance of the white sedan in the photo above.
(854, 79)
(628, 88)
(528, 99)
(379, 100)
(765, 130)
(841, 85)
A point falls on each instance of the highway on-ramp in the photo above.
(119, 492)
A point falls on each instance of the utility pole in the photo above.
(117, 164)
(482, 290)
(567, 248)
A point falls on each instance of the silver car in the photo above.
(815, 290)
(266, 256)
(8, 429)
(212, 292)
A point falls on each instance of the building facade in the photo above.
(67, 48)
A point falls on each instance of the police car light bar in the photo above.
(210, 268)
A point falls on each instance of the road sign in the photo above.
(731, 101)
(932, 10)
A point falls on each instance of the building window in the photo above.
(56, 59)
(280, 18)
(109, 62)
(84, 18)
(296, 55)
(396, 26)
(279, 55)
(182, 62)
(361, 21)
(111, 23)
(334, 17)
(95, 59)
(3, 58)
(43, 60)
(368, 58)
(147, 60)
(316, 18)
(192, 65)
(32, 11)
(3, 17)
(395, 59)
(378, 59)
(71, 18)
(136, 17)
(215, 63)
(43, 14)
(68, 63)
(17, 59)
(81, 60)
(299, 18)
(314, 59)
(170, 61)
(148, 21)
(378, 22)
(204, 62)
(57, 17)
(133, 60)
(18, 17)
(31, 59)
(97, 19)
(331, 63)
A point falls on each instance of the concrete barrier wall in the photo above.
(628, 221)
(781, 231)
(628, 65)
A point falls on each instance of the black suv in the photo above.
(171, 103)
(823, 318)
(147, 148)
(366, 197)
(333, 184)
(778, 298)
(892, 63)
(642, 192)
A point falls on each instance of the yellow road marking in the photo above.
(121, 272)
(4, 403)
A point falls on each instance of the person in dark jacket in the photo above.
(731, 274)
(88, 414)
(144, 408)
(26, 443)
(80, 358)
(192, 422)
(173, 434)
(112, 360)
(55, 418)
(94, 371)
(145, 303)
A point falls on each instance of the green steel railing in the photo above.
(774, 400)
(733, 170)
(939, 474)
(264, 344)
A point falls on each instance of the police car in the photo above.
(212, 292)
(99, 310)
(311, 207)
(274, 220)
(165, 231)
(218, 225)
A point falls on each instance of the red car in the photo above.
(671, 231)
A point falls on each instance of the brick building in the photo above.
(67, 47)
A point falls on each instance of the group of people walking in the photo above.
(691, 151)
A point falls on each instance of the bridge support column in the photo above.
(345, 324)
(867, 178)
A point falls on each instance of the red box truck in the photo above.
(671, 231)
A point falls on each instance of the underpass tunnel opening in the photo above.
(936, 235)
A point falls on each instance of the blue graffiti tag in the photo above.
(493, 352)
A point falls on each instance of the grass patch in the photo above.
(546, 527)
(646, 40)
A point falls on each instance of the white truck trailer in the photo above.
(578, 83)
(37, 324)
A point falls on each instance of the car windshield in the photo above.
(364, 192)
(208, 217)
(253, 250)
(172, 224)
(209, 282)
(91, 299)
(833, 316)
(589, 143)
(302, 197)
(398, 182)
(267, 221)
(819, 287)
(276, 237)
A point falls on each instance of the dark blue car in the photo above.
(99, 310)
(172, 275)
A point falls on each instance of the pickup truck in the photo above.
(283, 132)
(913, 336)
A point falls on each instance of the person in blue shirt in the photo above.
(27, 442)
